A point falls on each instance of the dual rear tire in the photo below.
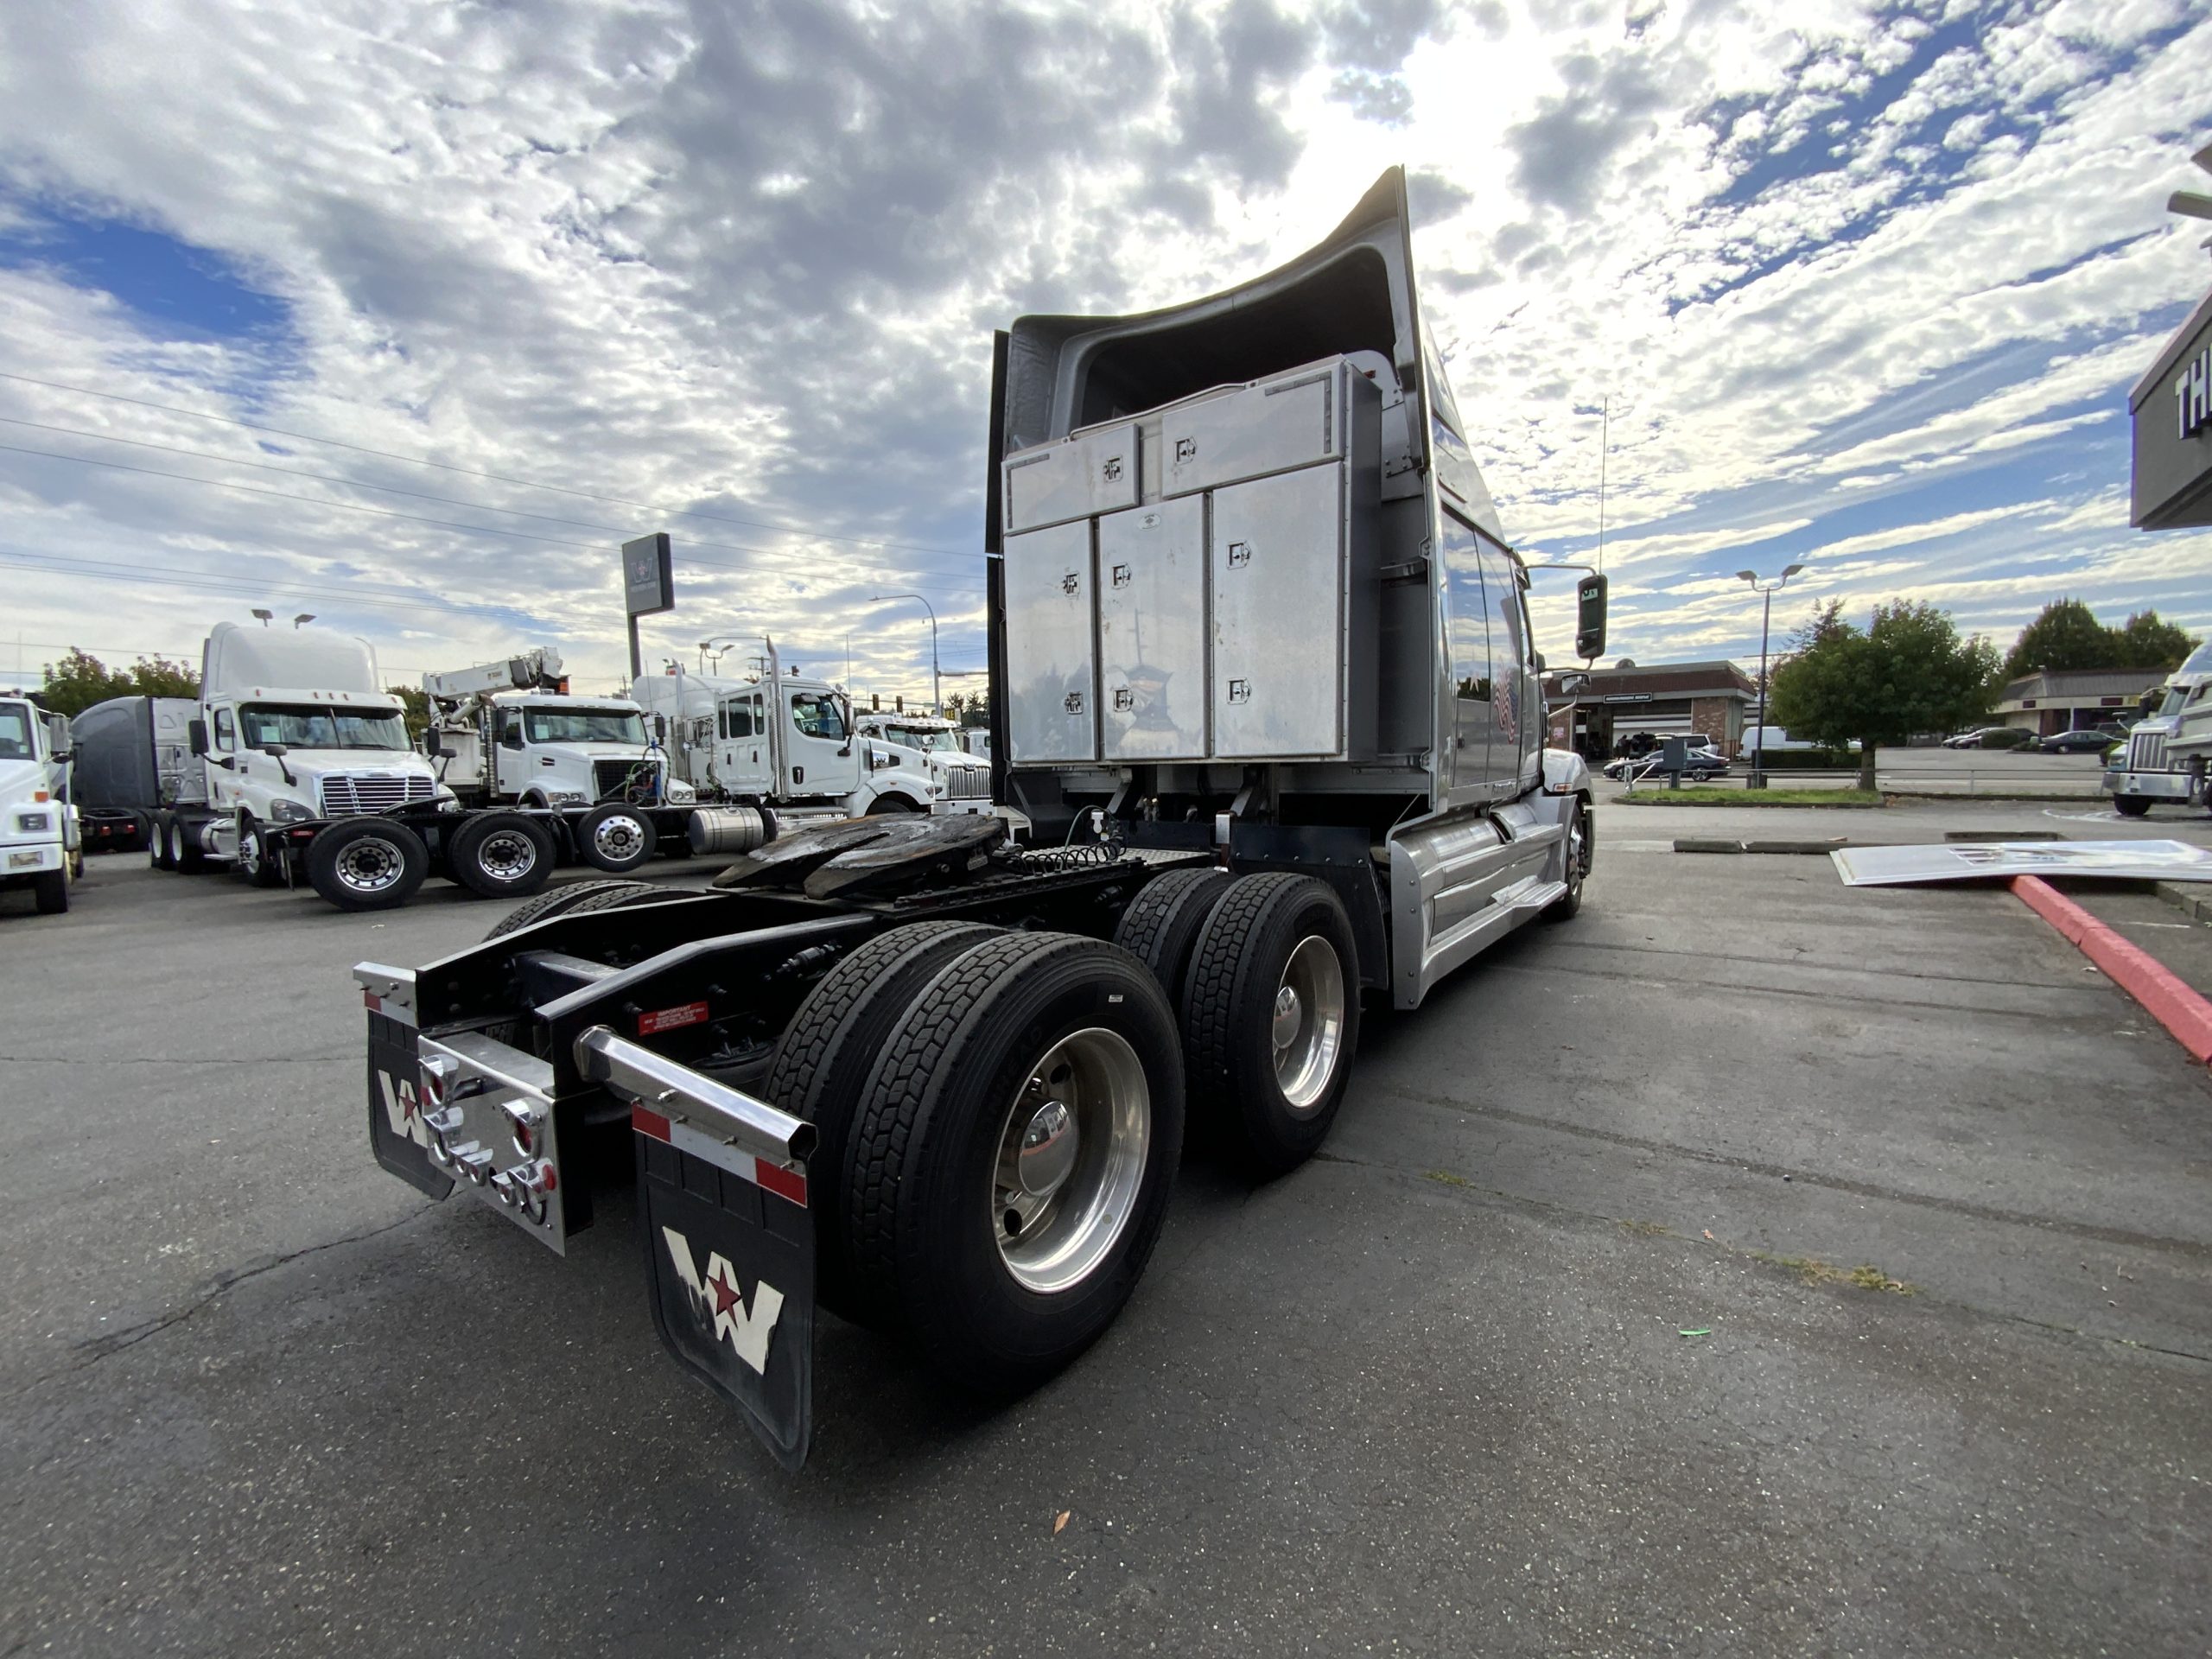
(1001, 1116)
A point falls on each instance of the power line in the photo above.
(471, 472)
(394, 489)
(379, 512)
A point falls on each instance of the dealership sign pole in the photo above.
(648, 587)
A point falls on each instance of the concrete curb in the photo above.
(2190, 898)
(1707, 844)
(2164, 994)
(1722, 844)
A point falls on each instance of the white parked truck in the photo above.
(294, 763)
(550, 777)
(776, 751)
(39, 846)
(962, 780)
(1265, 698)
(2166, 755)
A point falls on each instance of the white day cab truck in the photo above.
(549, 778)
(1268, 713)
(39, 845)
(2168, 754)
(784, 750)
(962, 778)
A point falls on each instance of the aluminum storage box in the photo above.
(1276, 570)
(1051, 660)
(1152, 632)
(1272, 426)
(1091, 472)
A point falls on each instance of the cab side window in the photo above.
(226, 735)
(817, 716)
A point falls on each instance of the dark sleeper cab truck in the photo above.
(1270, 742)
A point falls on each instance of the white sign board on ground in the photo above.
(1966, 861)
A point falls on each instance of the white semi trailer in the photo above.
(1264, 687)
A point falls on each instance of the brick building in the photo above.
(2064, 699)
(1593, 710)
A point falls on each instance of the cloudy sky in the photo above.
(404, 314)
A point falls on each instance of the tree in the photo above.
(2063, 635)
(2145, 640)
(969, 707)
(1908, 673)
(80, 680)
(414, 704)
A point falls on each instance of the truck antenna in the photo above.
(1605, 448)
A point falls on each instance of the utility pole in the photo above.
(936, 688)
(1767, 591)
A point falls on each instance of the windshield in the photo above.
(311, 726)
(15, 732)
(584, 726)
(2176, 697)
(918, 737)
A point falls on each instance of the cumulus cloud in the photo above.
(1852, 280)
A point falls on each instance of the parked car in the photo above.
(1702, 765)
(2082, 743)
(1991, 737)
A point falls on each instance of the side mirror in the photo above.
(1536, 661)
(433, 745)
(660, 729)
(276, 751)
(1590, 618)
(195, 732)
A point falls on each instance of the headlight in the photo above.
(566, 797)
(290, 812)
(680, 791)
(35, 823)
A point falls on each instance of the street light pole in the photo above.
(937, 689)
(1766, 591)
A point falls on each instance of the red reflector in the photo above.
(547, 1180)
(783, 1183)
(646, 1122)
(371, 1001)
(690, 1013)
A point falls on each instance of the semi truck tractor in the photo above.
(549, 777)
(2166, 753)
(1265, 697)
(783, 746)
(962, 780)
(294, 766)
(39, 845)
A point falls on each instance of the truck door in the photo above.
(223, 786)
(510, 757)
(742, 747)
(1470, 721)
(819, 757)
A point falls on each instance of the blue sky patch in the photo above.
(175, 288)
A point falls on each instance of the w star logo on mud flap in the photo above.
(402, 1109)
(721, 1304)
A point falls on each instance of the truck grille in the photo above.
(2146, 752)
(348, 794)
(967, 784)
(611, 781)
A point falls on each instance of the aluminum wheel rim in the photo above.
(1309, 1022)
(618, 838)
(506, 855)
(1575, 844)
(370, 866)
(1080, 1129)
(249, 850)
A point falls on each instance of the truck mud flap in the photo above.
(728, 1243)
(398, 1134)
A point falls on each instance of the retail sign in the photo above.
(648, 575)
(2171, 411)
(2193, 394)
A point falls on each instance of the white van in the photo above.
(1778, 741)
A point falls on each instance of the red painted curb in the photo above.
(2169, 1000)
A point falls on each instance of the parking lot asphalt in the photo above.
(1933, 1196)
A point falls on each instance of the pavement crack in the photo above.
(97, 1349)
(1814, 993)
(2194, 1248)
(1920, 1294)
